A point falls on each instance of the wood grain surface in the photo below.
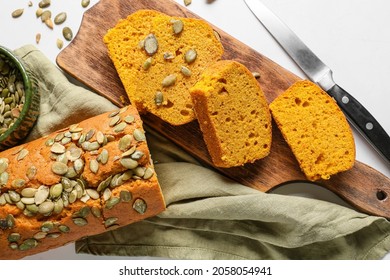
(86, 59)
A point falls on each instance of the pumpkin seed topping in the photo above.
(17, 13)
(151, 44)
(110, 222)
(60, 18)
(140, 206)
(169, 80)
(139, 135)
(190, 56)
(177, 26)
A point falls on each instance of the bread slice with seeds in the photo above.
(158, 58)
(233, 114)
(316, 130)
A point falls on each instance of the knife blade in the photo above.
(359, 117)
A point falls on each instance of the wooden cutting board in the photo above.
(86, 59)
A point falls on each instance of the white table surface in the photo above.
(350, 36)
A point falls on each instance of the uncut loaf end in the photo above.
(315, 129)
(233, 114)
(158, 58)
(83, 180)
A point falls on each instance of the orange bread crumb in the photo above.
(316, 130)
(233, 114)
(142, 73)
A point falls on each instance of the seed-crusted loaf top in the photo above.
(83, 180)
(233, 114)
(316, 130)
(149, 46)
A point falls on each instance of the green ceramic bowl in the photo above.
(30, 110)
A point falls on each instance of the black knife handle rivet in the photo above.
(363, 121)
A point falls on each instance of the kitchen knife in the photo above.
(321, 74)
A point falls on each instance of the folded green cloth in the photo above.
(209, 216)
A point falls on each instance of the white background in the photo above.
(351, 36)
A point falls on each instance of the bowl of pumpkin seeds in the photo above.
(19, 99)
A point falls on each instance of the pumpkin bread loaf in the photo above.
(315, 129)
(233, 114)
(83, 180)
(158, 58)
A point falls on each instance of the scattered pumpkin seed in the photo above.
(94, 166)
(125, 196)
(58, 206)
(56, 190)
(114, 120)
(14, 237)
(177, 26)
(80, 221)
(60, 44)
(45, 15)
(53, 235)
(129, 163)
(110, 222)
(169, 80)
(147, 63)
(60, 18)
(104, 156)
(44, 3)
(256, 74)
(107, 194)
(125, 142)
(168, 56)
(120, 127)
(92, 193)
(39, 12)
(185, 71)
(59, 168)
(18, 183)
(17, 13)
(151, 44)
(38, 38)
(187, 2)
(47, 226)
(140, 206)
(22, 154)
(49, 23)
(129, 119)
(31, 172)
(28, 244)
(46, 207)
(41, 195)
(67, 33)
(96, 212)
(139, 135)
(85, 3)
(63, 228)
(190, 56)
(57, 148)
(137, 155)
(159, 98)
(112, 202)
(28, 192)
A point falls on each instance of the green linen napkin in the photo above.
(209, 216)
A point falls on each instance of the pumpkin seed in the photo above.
(74, 153)
(31, 172)
(137, 155)
(40, 235)
(120, 127)
(93, 146)
(140, 206)
(126, 175)
(112, 202)
(110, 222)
(53, 235)
(41, 195)
(151, 44)
(80, 222)
(114, 120)
(44, 3)
(125, 142)
(62, 158)
(92, 193)
(90, 134)
(139, 135)
(129, 163)
(107, 194)
(85, 3)
(58, 148)
(18, 183)
(32, 209)
(47, 226)
(46, 207)
(94, 166)
(96, 212)
(22, 154)
(58, 206)
(27, 200)
(103, 156)
(169, 80)
(39, 12)
(28, 244)
(190, 56)
(60, 18)
(125, 196)
(187, 2)
(100, 137)
(84, 212)
(104, 184)
(78, 165)
(185, 71)
(56, 190)
(2, 200)
(28, 192)
(63, 228)
(45, 15)
(60, 44)
(72, 196)
(67, 33)
(168, 56)
(177, 26)
(17, 13)
(3, 164)
(14, 245)
(14, 196)
(148, 173)
(10, 221)
(14, 237)
(147, 63)
(59, 168)
(129, 119)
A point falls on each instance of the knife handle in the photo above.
(363, 121)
